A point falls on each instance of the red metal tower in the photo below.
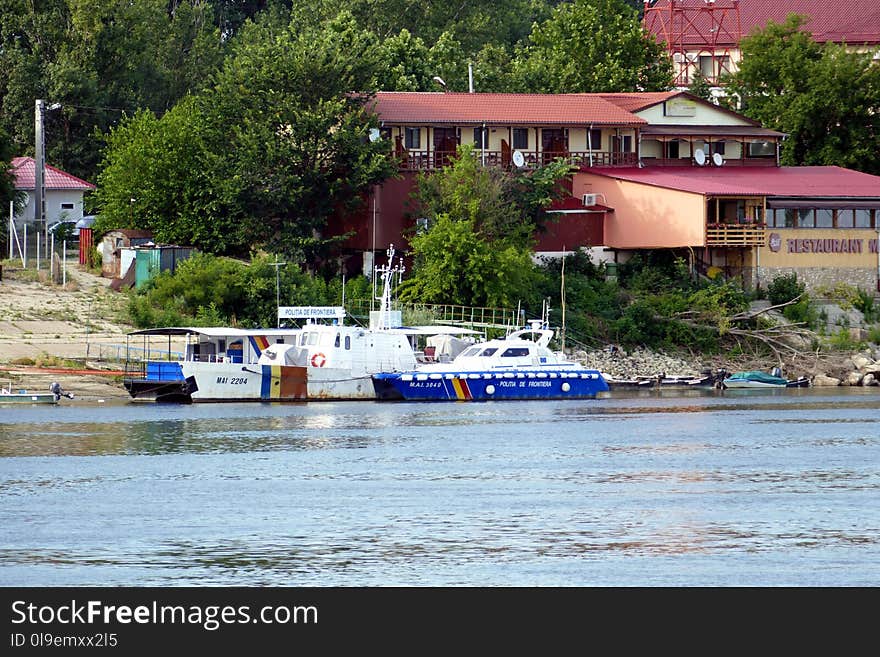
(701, 35)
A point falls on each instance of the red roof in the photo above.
(851, 21)
(638, 100)
(421, 108)
(805, 182)
(23, 169)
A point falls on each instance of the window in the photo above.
(521, 138)
(672, 149)
(348, 342)
(824, 218)
(488, 352)
(707, 67)
(67, 206)
(862, 218)
(413, 138)
(480, 138)
(844, 218)
(717, 147)
(621, 144)
(806, 218)
(790, 218)
(336, 343)
(762, 149)
(515, 352)
(595, 136)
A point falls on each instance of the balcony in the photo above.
(736, 234)
(430, 160)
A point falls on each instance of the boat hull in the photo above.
(486, 386)
(29, 398)
(192, 382)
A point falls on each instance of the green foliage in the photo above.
(843, 341)
(208, 291)
(592, 46)
(502, 204)
(823, 96)
(865, 303)
(784, 288)
(456, 264)
(264, 157)
(655, 270)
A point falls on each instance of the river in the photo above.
(649, 488)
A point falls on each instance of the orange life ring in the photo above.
(318, 359)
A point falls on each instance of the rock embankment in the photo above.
(860, 369)
(621, 365)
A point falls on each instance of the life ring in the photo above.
(318, 359)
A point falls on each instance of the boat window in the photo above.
(515, 352)
(489, 351)
(336, 344)
(348, 342)
(313, 339)
(303, 338)
(470, 351)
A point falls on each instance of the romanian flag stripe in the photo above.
(462, 391)
(259, 343)
(271, 381)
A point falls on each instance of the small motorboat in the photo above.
(759, 379)
(9, 395)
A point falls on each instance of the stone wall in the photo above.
(815, 278)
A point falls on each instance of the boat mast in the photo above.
(562, 299)
(387, 273)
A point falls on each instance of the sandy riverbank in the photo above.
(66, 329)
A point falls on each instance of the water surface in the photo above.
(691, 488)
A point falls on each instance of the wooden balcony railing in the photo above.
(430, 160)
(735, 234)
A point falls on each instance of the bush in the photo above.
(783, 289)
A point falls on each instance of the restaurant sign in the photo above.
(822, 245)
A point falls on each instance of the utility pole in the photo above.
(277, 264)
(40, 164)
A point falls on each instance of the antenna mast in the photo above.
(693, 30)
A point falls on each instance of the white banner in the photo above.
(311, 312)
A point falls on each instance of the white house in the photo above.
(63, 192)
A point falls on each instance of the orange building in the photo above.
(662, 170)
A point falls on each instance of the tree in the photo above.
(293, 110)
(7, 179)
(262, 159)
(592, 46)
(100, 59)
(481, 225)
(824, 97)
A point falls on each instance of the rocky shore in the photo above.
(826, 369)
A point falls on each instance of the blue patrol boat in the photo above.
(520, 366)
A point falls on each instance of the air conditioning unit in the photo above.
(590, 199)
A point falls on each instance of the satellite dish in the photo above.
(374, 134)
(700, 156)
(518, 159)
(717, 159)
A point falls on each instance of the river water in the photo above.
(650, 488)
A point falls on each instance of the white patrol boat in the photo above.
(315, 361)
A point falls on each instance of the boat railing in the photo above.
(440, 313)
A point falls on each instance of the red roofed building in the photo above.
(660, 170)
(704, 35)
(64, 192)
